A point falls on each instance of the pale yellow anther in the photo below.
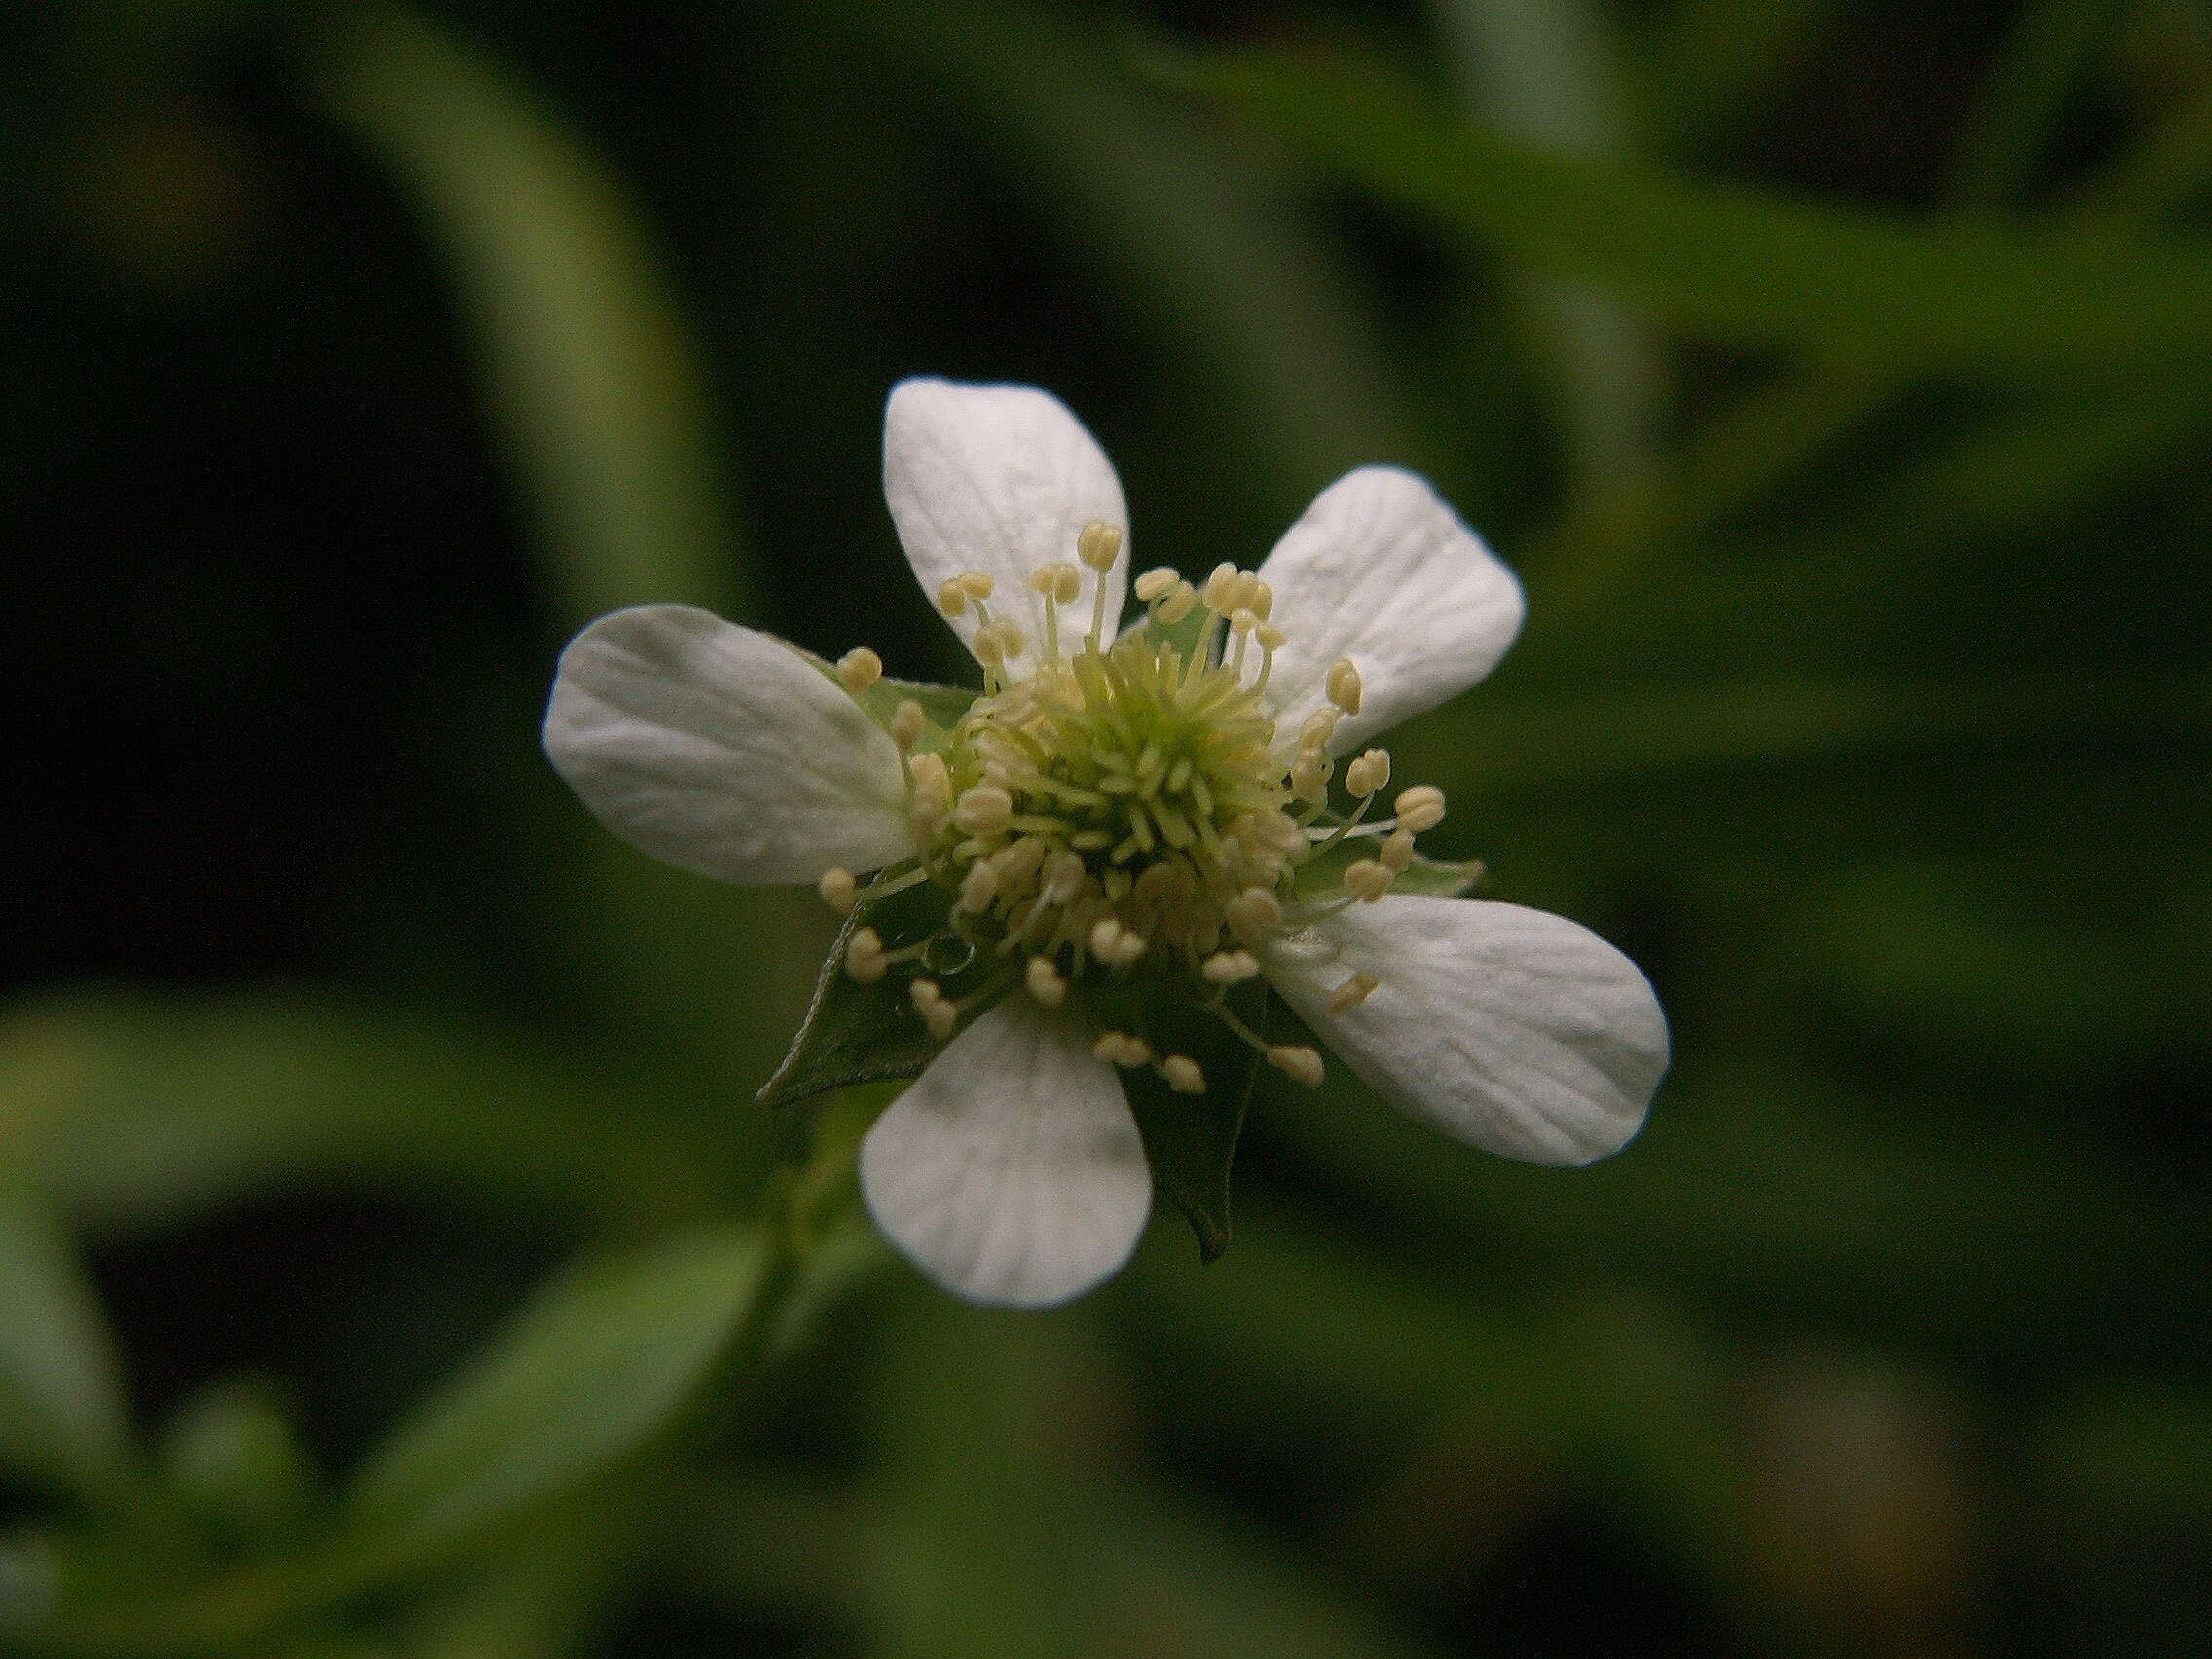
(1310, 777)
(975, 584)
(1252, 914)
(1369, 773)
(1298, 1061)
(1105, 940)
(1183, 1075)
(952, 598)
(859, 669)
(979, 887)
(865, 957)
(1230, 968)
(932, 788)
(1063, 877)
(1120, 1049)
(1220, 587)
(1353, 992)
(1098, 545)
(1262, 598)
(1344, 686)
(1420, 808)
(1396, 853)
(1270, 637)
(983, 809)
(1156, 583)
(1012, 641)
(939, 1015)
(1130, 948)
(839, 890)
(1180, 602)
(1320, 725)
(1045, 983)
(1061, 583)
(907, 723)
(1239, 591)
(1367, 878)
(1242, 621)
(1017, 862)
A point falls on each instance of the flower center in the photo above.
(1119, 822)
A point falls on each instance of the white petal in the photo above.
(1518, 1031)
(1011, 1171)
(999, 479)
(1380, 569)
(721, 750)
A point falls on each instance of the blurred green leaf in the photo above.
(2022, 98)
(138, 1109)
(587, 359)
(1713, 66)
(1735, 264)
(234, 1455)
(982, 1417)
(62, 1418)
(1543, 72)
(1206, 237)
(589, 1375)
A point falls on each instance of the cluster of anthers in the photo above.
(1122, 810)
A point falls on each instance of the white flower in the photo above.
(1116, 817)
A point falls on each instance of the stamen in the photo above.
(1046, 981)
(839, 890)
(952, 598)
(1369, 773)
(939, 1015)
(979, 887)
(1156, 583)
(1098, 545)
(859, 669)
(1252, 914)
(906, 725)
(1298, 1062)
(1353, 992)
(1344, 686)
(1367, 878)
(1183, 1075)
(1180, 602)
(1396, 853)
(932, 789)
(865, 957)
(1230, 968)
(1120, 1049)
(1262, 600)
(984, 809)
(1420, 808)
(978, 586)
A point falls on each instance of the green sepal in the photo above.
(1322, 875)
(856, 1033)
(1190, 1141)
(942, 706)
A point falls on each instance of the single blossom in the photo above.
(1168, 811)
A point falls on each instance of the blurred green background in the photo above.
(377, 1166)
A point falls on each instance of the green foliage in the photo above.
(61, 1412)
(586, 1378)
(1735, 265)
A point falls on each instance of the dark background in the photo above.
(359, 356)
